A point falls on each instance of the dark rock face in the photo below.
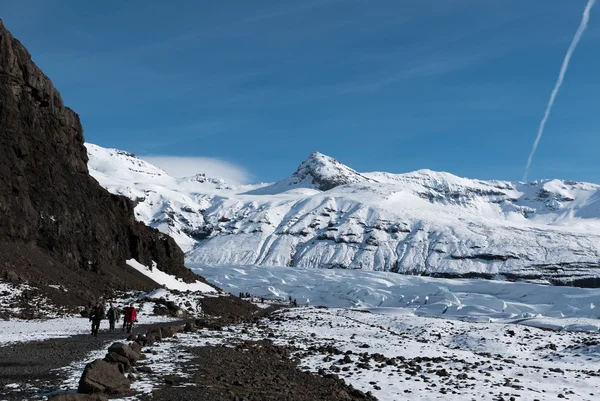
(57, 225)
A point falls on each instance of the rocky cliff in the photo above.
(57, 225)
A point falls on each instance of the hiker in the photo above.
(125, 312)
(294, 303)
(113, 316)
(96, 315)
(130, 317)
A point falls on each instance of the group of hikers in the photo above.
(97, 313)
(293, 302)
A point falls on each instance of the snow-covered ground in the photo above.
(328, 215)
(420, 358)
(16, 300)
(57, 324)
(409, 357)
(400, 337)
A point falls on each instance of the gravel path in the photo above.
(33, 368)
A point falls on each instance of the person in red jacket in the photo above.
(130, 317)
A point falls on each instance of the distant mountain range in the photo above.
(327, 215)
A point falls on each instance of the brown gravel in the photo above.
(253, 371)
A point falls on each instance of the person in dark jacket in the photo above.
(125, 312)
(96, 316)
(113, 316)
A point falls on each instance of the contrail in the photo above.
(561, 77)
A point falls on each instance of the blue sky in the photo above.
(381, 85)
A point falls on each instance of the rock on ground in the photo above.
(100, 376)
(78, 397)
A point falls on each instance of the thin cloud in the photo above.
(179, 166)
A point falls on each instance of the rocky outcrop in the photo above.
(57, 225)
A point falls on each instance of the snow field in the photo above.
(475, 361)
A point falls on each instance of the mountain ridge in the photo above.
(422, 222)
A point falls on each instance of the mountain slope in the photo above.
(424, 222)
(57, 225)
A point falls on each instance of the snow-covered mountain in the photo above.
(328, 215)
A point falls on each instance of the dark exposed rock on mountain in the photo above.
(57, 225)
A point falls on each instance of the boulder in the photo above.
(100, 376)
(153, 335)
(189, 327)
(170, 331)
(140, 339)
(125, 350)
(113, 357)
(136, 347)
(78, 397)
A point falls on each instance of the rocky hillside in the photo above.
(328, 215)
(58, 227)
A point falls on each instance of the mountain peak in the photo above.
(318, 155)
(318, 172)
(322, 172)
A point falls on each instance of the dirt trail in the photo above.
(36, 365)
(243, 370)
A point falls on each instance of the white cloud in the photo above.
(213, 167)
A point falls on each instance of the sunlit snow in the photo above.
(419, 222)
(169, 281)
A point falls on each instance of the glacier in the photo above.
(327, 215)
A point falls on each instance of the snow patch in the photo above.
(169, 281)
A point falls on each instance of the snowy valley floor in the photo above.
(403, 357)
(398, 337)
